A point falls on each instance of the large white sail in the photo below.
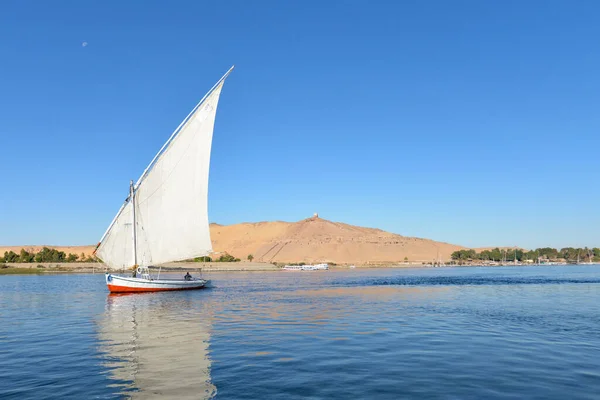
(171, 199)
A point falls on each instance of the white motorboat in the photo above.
(305, 267)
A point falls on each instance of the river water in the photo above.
(444, 333)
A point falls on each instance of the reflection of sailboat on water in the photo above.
(155, 347)
(165, 217)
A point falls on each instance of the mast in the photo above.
(132, 199)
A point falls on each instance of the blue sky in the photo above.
(469, 122)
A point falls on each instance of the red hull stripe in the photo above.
(126, 289)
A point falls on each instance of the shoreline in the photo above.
(240, 266)
(243, 266)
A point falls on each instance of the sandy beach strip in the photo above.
(241, 266)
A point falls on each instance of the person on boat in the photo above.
(187, 277)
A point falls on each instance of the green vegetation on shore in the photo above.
(48, 255)
(225, 257)
(44, 255)
(545, 253)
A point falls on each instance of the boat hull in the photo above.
(121, 284)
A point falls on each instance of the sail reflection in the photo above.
(157, 346)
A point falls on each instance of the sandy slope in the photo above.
(316, 240)
(310, 240)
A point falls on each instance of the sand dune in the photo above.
(319, 240)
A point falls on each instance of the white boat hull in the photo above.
(122, 284)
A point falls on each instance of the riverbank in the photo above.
(243, 266)
(60, 268)
(52, 268)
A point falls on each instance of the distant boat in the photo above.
(165, 217)
(438, 262)
(305, 267)
(293, 267)
(590, 259)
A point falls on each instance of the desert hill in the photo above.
(319, 240)
(311, 240)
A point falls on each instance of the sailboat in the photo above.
(165, 216)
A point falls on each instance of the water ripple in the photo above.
(456, 333)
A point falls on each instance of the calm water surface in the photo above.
(461, 333)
